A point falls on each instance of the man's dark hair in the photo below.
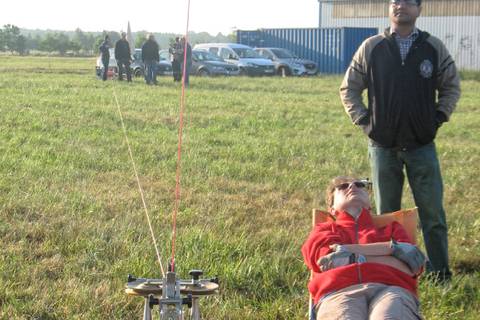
(419, 2)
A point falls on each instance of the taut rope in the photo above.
(139, 185)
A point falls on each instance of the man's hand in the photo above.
(409, 254)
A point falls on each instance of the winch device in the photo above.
(171, 294)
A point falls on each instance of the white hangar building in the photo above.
(455, 22)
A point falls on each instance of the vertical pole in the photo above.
(195, 308)
(147, 312)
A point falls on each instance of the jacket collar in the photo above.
(364, 219)
(422, 35)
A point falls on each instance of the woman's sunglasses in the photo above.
(346, 185)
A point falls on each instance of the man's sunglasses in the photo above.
(346, 185)
(407, 2)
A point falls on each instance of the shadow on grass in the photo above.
(467, 266)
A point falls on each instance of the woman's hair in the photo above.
(331, 188)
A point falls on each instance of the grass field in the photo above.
(257, 155)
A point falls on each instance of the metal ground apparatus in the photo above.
(171, 294)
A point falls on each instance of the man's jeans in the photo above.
(177, 70)
(423, 173)
(124, 66)
(151, 72)
(187, 72)
(105, 68)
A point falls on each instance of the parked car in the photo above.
(137, 67)
(164, 67)
(286, 63)
(247, 60)
(206, 64)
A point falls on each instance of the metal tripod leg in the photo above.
(147, 312)
(195, 309)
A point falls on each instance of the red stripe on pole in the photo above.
(179, 149)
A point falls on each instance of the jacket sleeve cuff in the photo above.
(363, 120)
(440, 118)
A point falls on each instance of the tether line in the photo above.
(139, 185)
(179, 150)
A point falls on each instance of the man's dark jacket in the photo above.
(150, 51)
(122, 50)
(403, 108)
(104, 50)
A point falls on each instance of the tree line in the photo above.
(79, 43)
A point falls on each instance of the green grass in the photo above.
(257, 155)
(470, 75)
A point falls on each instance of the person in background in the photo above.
(150, 58)
(123, 57)
(413, 87)
(188, 63)
(361, 271)
(177, 58)
(105, 55)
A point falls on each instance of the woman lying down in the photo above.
(360, 271)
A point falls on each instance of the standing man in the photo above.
(105, 55)
(150, 58)
(123, 57)
(188, 63)
(404, 70)
(177, 57)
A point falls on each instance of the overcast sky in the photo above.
(212, 16)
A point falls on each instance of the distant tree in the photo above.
(202, 37)
(84, 41)
(140, 38)
(80, 41)
(57, 41)
(75, 46)
(12, 40)
(3, 41)
(48, 43)
(90, 43)
(63, 43)
(32, 43)
(20, 45)
(22, 40)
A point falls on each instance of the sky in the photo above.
(212, 16)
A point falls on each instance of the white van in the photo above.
(249, 62)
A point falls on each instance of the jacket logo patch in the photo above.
(426, 69)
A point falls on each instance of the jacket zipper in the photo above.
(356, 256)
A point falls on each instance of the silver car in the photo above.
(247, 60)
(206, 64)
(287, 64)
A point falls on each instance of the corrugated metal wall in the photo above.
(456, 23)
(331, 48)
